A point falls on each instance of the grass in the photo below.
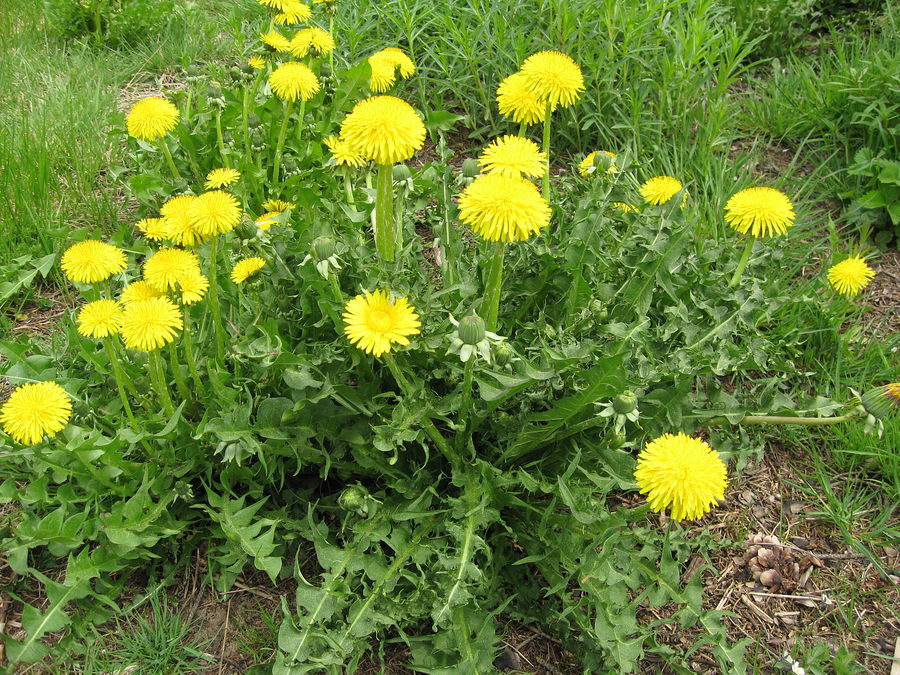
(672, 82)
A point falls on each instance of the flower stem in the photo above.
(463, 433)
(120, 381)
(432, 431)
(490, 304)
(300, 117)
(169, 160)
(279, 146)
(799, 421)
(189, 351)
(348, 189)
(214, 300)
(523, 130)
(159, 381)
(220, 139)
(742, 263)
(183, 390)
(331, 53)
(384, 212)
(547, 116)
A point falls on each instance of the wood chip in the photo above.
(757, 611)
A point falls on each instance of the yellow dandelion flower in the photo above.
(165, 268)
(175, 205)
(99, 319)
(384, 129)
(516, 99)
(138, 290)
(293, 12)
(276, 41)
(192, 287)
(681, 473)
(215, 212)
(501, 208)
(661, 189)
(293, 80)
(256, 62)
(342, 153)
(245, 268)
(267, 220)
(554, 77)
(513, 156)
(762, 211)
(587, 166)
(151, 118)
(850, 276)
(152, 228)
(219, 178)
(373, 322)
(90, 261)
(150, 324)
(385, 64)
(278, 205)
(626, 208)
(277, 5)
(177, 221)
(882, 401)
(315, 38)
(34, 410)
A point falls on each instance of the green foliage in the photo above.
(116, 24)
(882, 193)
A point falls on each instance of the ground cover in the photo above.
(817, 345)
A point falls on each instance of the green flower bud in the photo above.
(353, 498)
(322, 248)
(625, 403)
(503, 353)
(245, 230)
(617, 440)
(471, 330)
(401, 172)
(882, 401)
(470, 168)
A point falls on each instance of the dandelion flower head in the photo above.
(384, 129)
(165, 268)
(150, 324)
(275, 41)
(257, 62)
(850, 276)
(342, 153)
(278, 205)
(245, 268)
(385, 64)
(294, 80)
(215, 212)
(503, 208)
(219, 178)
(761, 211)
(554, 77)
(513, 156)
(311, 38)
(152, 228)
(178, 223)
(587, 166)
(192, 287)
(293, 12)
(373, 322)
(267, 220)
(34, 410)
(90, 261)
(151, 118)
(277, 5)
(516, 99)
(138, 290)
(661, 189)
(99, 319)
(681, 473)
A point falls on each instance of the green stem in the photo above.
(742, 263)
(220, 139)
(384, 212)
(331, 53)
(432, 431)
(279, 146)
(463, 434)
(214, 300)
(169, 160)
(490, 304)
(547, 116)
(336, 288)
(572, 300)
(120, 381)
(187, 103)
(799, 421)
(180, 382)
(523, 129)
(159, 381)
(300, 117)
(348, 189)
(189, 351)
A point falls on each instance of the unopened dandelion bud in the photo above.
(322, 248)
(471, 330)
(470, 168)
(354, 498)
(246, 230)
(401, 172)
(882, 401)
(503, 354)
(625, 403)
